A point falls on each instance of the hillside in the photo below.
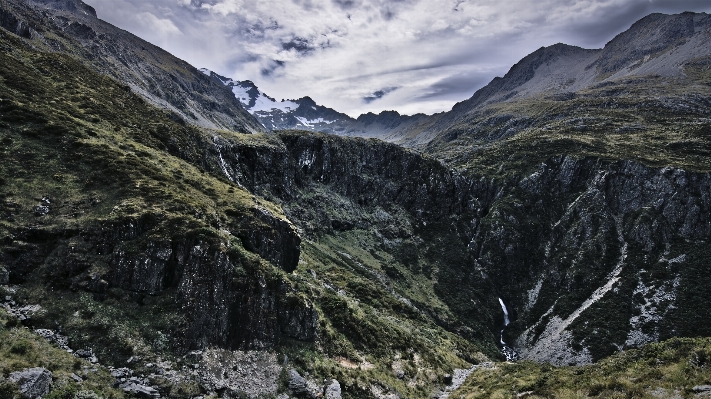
(72, 27)
(658, 55)
(146, 228)
(659, 50)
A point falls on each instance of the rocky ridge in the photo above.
(72, 27)
(658, 46)
(305, 114)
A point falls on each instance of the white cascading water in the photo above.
(506, 320)
(510, 353)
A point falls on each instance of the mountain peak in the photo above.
(76, 6)
(306, 101)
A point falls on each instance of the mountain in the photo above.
(305, 114)
(178, 260)
(662, 46)
(658, 48)
(71, 27)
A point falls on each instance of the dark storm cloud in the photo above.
(298, 44)
(457, 85)
(378, 94)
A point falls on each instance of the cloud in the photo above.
(378, 94)
(346, 4)
(343, 52)
(299, 45)
(162, 26)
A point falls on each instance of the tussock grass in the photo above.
(658, 369)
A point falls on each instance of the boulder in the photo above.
(297, 384)
(333, 390)
(140, 390)
(41, 210)
(33, 383)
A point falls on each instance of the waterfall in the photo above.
(510, 353)
(506, 312)
(506, 321)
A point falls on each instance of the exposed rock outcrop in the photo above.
(540, 240)
(33, 383)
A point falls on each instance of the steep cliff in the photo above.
(562, 246)
(140, 237)
(116, 201)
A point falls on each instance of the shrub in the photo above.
(21, 347)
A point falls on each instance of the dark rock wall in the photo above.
(565, 228)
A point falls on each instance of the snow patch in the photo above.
(311, 122)
(265, 104)
(242, 95)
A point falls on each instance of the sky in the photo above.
(360, 56)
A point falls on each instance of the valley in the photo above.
(193, 239)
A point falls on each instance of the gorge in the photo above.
(560, 216)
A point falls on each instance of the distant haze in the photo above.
(358, 56)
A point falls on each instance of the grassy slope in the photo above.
(101, 154)
(676, 365)
(649, 120)
(21, 349)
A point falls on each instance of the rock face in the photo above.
(33, 383)
(4, 276)
(229, 305)
(253, 373)
(16, 25)
(333, 390)
(297, 384)
(228, 300)
(588, 253)
(76, 6)
(303, 388)
(562, 246)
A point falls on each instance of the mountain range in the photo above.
(169, 232)
(661, 46)
(305, 114)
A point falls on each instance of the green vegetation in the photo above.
(647, 119)
(92, 179)
(101, 160)
(657, 370)
(20, 348)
